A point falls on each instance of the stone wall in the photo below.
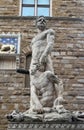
(9, 7)
(68, 62)
(68, 8)
(62, 8)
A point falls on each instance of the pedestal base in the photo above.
(46, 126)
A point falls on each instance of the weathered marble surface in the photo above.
(43, 81)
(17, 116)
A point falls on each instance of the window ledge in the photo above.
(9, 55)
(48, 18)
(9, 61)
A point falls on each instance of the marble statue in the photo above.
(43, 81)
(46, 89)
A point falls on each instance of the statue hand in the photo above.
(43, 59)
(33, 70)
(41, 67)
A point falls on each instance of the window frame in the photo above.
(36, 5)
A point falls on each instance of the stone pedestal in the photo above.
(45, 125)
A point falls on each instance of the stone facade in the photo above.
(67, 55)
(9, 7)
(61, 8)
(68, 8)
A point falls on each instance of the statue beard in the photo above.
(41, 27)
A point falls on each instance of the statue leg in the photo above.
(52, 77)
(35, 104)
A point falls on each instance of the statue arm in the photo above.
(49, 47)
(59, 90)
(50, 42)
(39, 36)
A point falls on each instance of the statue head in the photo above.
(41, 23)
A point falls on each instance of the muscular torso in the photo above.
(37, 49)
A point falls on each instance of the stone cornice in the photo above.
(48, 18)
